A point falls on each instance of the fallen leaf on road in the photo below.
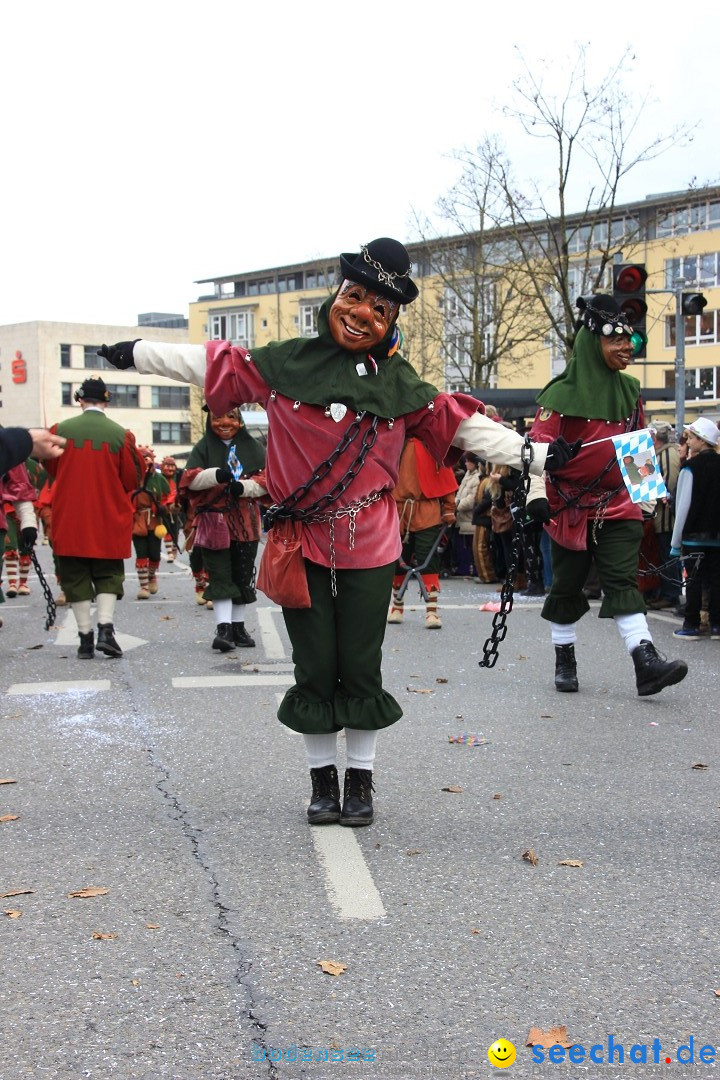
(167, 618)
(497, 795)
(700, 766)
(530, 856)
(97, 936)
(12, 914)
(134, 982)
(454, 789)
(440, 680)
(8, 781)
(91, 890)
(16, 892)
(31, 648)
(152, 926)
(475, 930)
(556, 1036)
(331, 967)
(10, 817)
(413, 690)
(414, 851)
(546, 716)
(717, 993)
(521, 657)
(571, 862)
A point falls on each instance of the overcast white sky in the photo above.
(147, 145)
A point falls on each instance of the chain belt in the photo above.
(331, 516)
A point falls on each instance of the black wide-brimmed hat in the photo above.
(92, 390)
(602, 315)
(383, 265)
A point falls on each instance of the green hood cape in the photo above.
(210, 452)
(317, 371)
(588, 388)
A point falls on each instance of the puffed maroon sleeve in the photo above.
(231, 378)
(435, 427)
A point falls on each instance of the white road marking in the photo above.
(201, 682)
(67, 635)
(76, 686)
(350, 887)
(272, 642)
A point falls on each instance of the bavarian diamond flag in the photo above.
(639, 467)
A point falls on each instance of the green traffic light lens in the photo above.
(638, 342)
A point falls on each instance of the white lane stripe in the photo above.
(77, 686)
(272, 642)
(203, 681)
(350, 887)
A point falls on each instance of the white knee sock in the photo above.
(81, 611)
(321, 750)
(105, 602)
(360, 748)
(633, 629)
(223, 610)
(238, 612)
(563, 633)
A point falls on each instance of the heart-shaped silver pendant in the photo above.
(337, 411)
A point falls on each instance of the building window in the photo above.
(308, 319)
(123, 397)
(66, 393)
(699, 329)
(701, 270)
(93, 361)
(170, 434)
(171, 397)
(697, 218)
(64, 356)
(235, 326)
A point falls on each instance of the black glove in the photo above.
(560, 452)
(539, 510)
(28, 537)
(224, 476)
(120, 355)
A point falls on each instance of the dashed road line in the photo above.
(79, 686)
(202, 682)
(271, 640)
(348, 881)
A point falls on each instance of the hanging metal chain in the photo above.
(49, 598)
(499, 623)
(288, 508)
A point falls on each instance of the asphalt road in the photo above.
(164, 779)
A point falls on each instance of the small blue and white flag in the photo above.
(639, 466)
(234, 465)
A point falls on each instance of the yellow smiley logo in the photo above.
(501, 1053)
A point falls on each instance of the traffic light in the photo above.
(693, 303)
(629, 291)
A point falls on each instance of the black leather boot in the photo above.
(357, 798)
(106, 642)
(223, 637)
(241, 636)
(87, 648)
(652, 673)
(566, 680)
(324, 808)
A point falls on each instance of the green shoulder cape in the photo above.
(210, 452)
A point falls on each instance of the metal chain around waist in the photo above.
(499, 623)
(351, 510)
(288, 508)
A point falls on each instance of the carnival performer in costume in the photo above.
(425, 500)
(93, 515)
(227, 521)
(17, 494)
(697, 525)
(588, 511)
(148, 526)
(340, 408)
(171, 507)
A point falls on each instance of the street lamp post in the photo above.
(679, 358)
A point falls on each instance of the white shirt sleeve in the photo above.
(25, 513)
(185, 363)
(496, 443)
(683, 498)
(205, 479)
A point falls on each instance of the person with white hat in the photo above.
(697, 525)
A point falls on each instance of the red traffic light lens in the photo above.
(630, 279)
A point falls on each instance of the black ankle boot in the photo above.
(652, 673)
(87, 648)
(324, 808)
(357, 798)
(241, 636)
(566, 680)
(106, 642)
(223, 637)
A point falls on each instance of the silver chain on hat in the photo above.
(385, 277)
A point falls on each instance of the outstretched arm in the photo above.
(184, 363)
